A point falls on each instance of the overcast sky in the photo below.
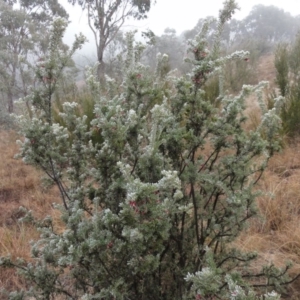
(184, 14)
(177, 14)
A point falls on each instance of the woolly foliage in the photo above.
(151, 211)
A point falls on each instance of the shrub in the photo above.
(151, 211)
(240, 72)
(287, 79)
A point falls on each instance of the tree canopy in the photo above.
(106, 17)
(23, 38)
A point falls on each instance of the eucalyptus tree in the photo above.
(270, 23)
(23, 39)
(106, 17)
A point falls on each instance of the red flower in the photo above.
(132, 203)
(109, 245)
(48, 79)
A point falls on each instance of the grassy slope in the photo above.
(275, 234)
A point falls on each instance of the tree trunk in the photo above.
(10, 102)
(100, 54)
(101, 71)
(11, 87)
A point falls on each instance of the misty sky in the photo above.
(184, 14)
(177, 14)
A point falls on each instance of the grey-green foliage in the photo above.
(23, 40)
(151, 211)
(270, 24)
(105, 18)
(264, 25)
(169, 43)
(14, 29)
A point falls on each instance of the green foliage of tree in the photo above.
(282, 68)
(270, 23)
(106, 17)
(287, 79)
(169, 43)
(151, 211)
(264, 26)
(23, 38)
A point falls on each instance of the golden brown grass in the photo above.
(20, 185)
(266, 69)
(275, 233)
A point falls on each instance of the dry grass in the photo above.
(266, 70)
(20, 185)
(275, 234)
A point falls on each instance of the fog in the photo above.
(177, 14)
